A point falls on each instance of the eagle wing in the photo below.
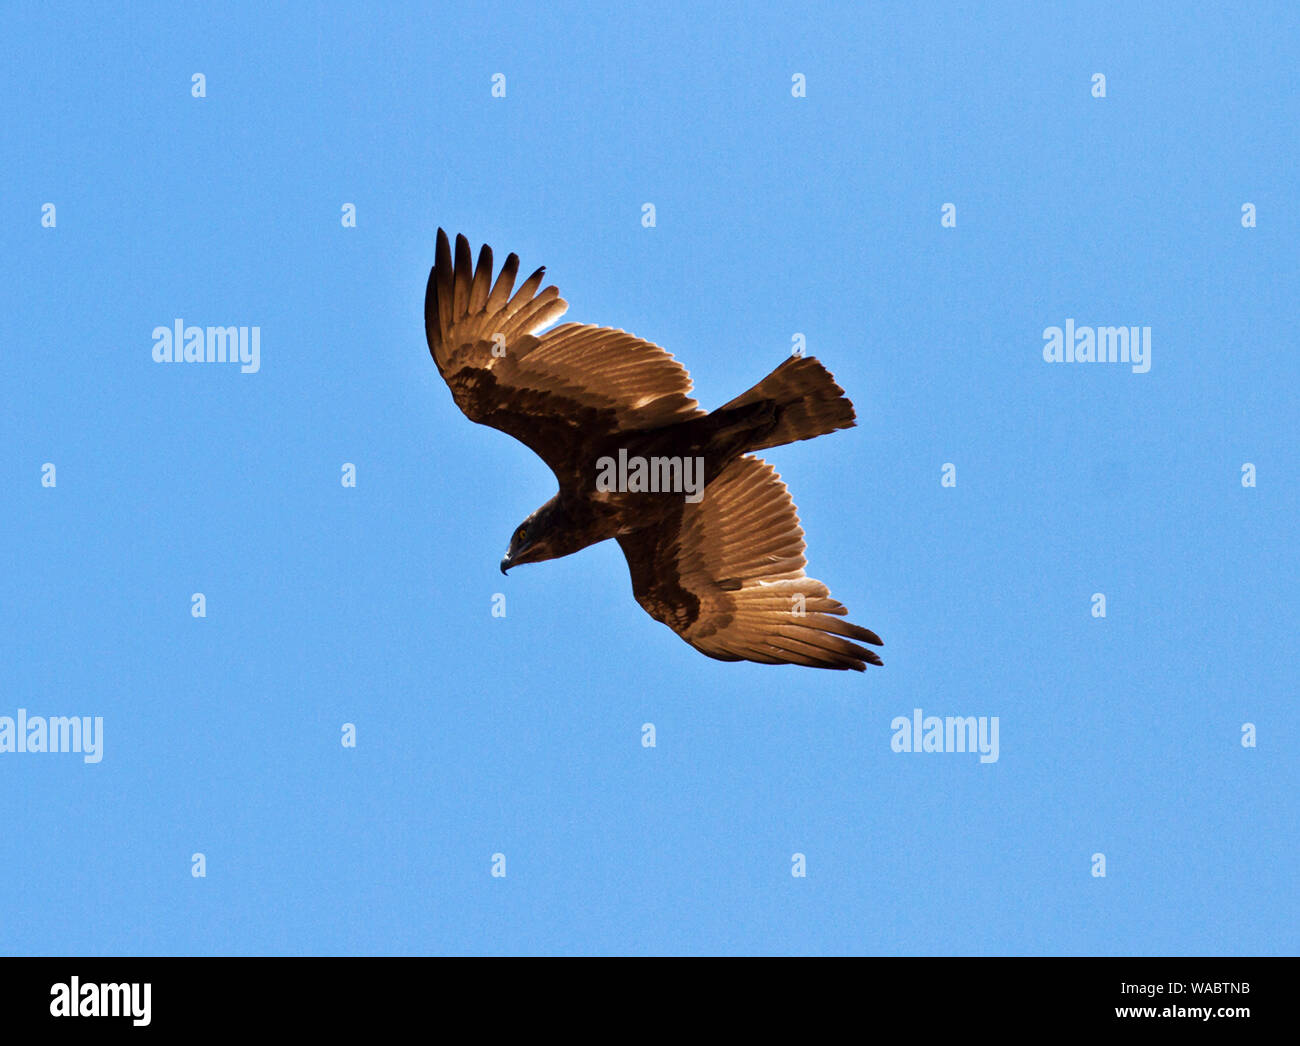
(726, 574)
(559, 393)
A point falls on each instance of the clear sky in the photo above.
(521, 735)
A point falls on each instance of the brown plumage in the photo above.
(725, 572)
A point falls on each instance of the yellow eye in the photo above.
(520, 534)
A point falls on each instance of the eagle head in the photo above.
(546, 534)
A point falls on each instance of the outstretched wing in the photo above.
(726, 574)
(559, 393)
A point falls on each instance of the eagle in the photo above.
(724, 567)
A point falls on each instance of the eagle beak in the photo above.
(504, 564)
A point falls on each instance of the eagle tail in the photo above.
(806, 399)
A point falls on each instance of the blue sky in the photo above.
(521, 735)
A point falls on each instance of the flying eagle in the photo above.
(722, 569)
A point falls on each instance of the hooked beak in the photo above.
(505, 563)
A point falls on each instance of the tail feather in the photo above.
(807, 401)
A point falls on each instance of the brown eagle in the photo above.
(720, 562)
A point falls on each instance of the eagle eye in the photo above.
(521, 534)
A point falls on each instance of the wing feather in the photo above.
(478, 292)
(505, 283)
(727, 574)
(560, 392)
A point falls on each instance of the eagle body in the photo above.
(723, 568)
